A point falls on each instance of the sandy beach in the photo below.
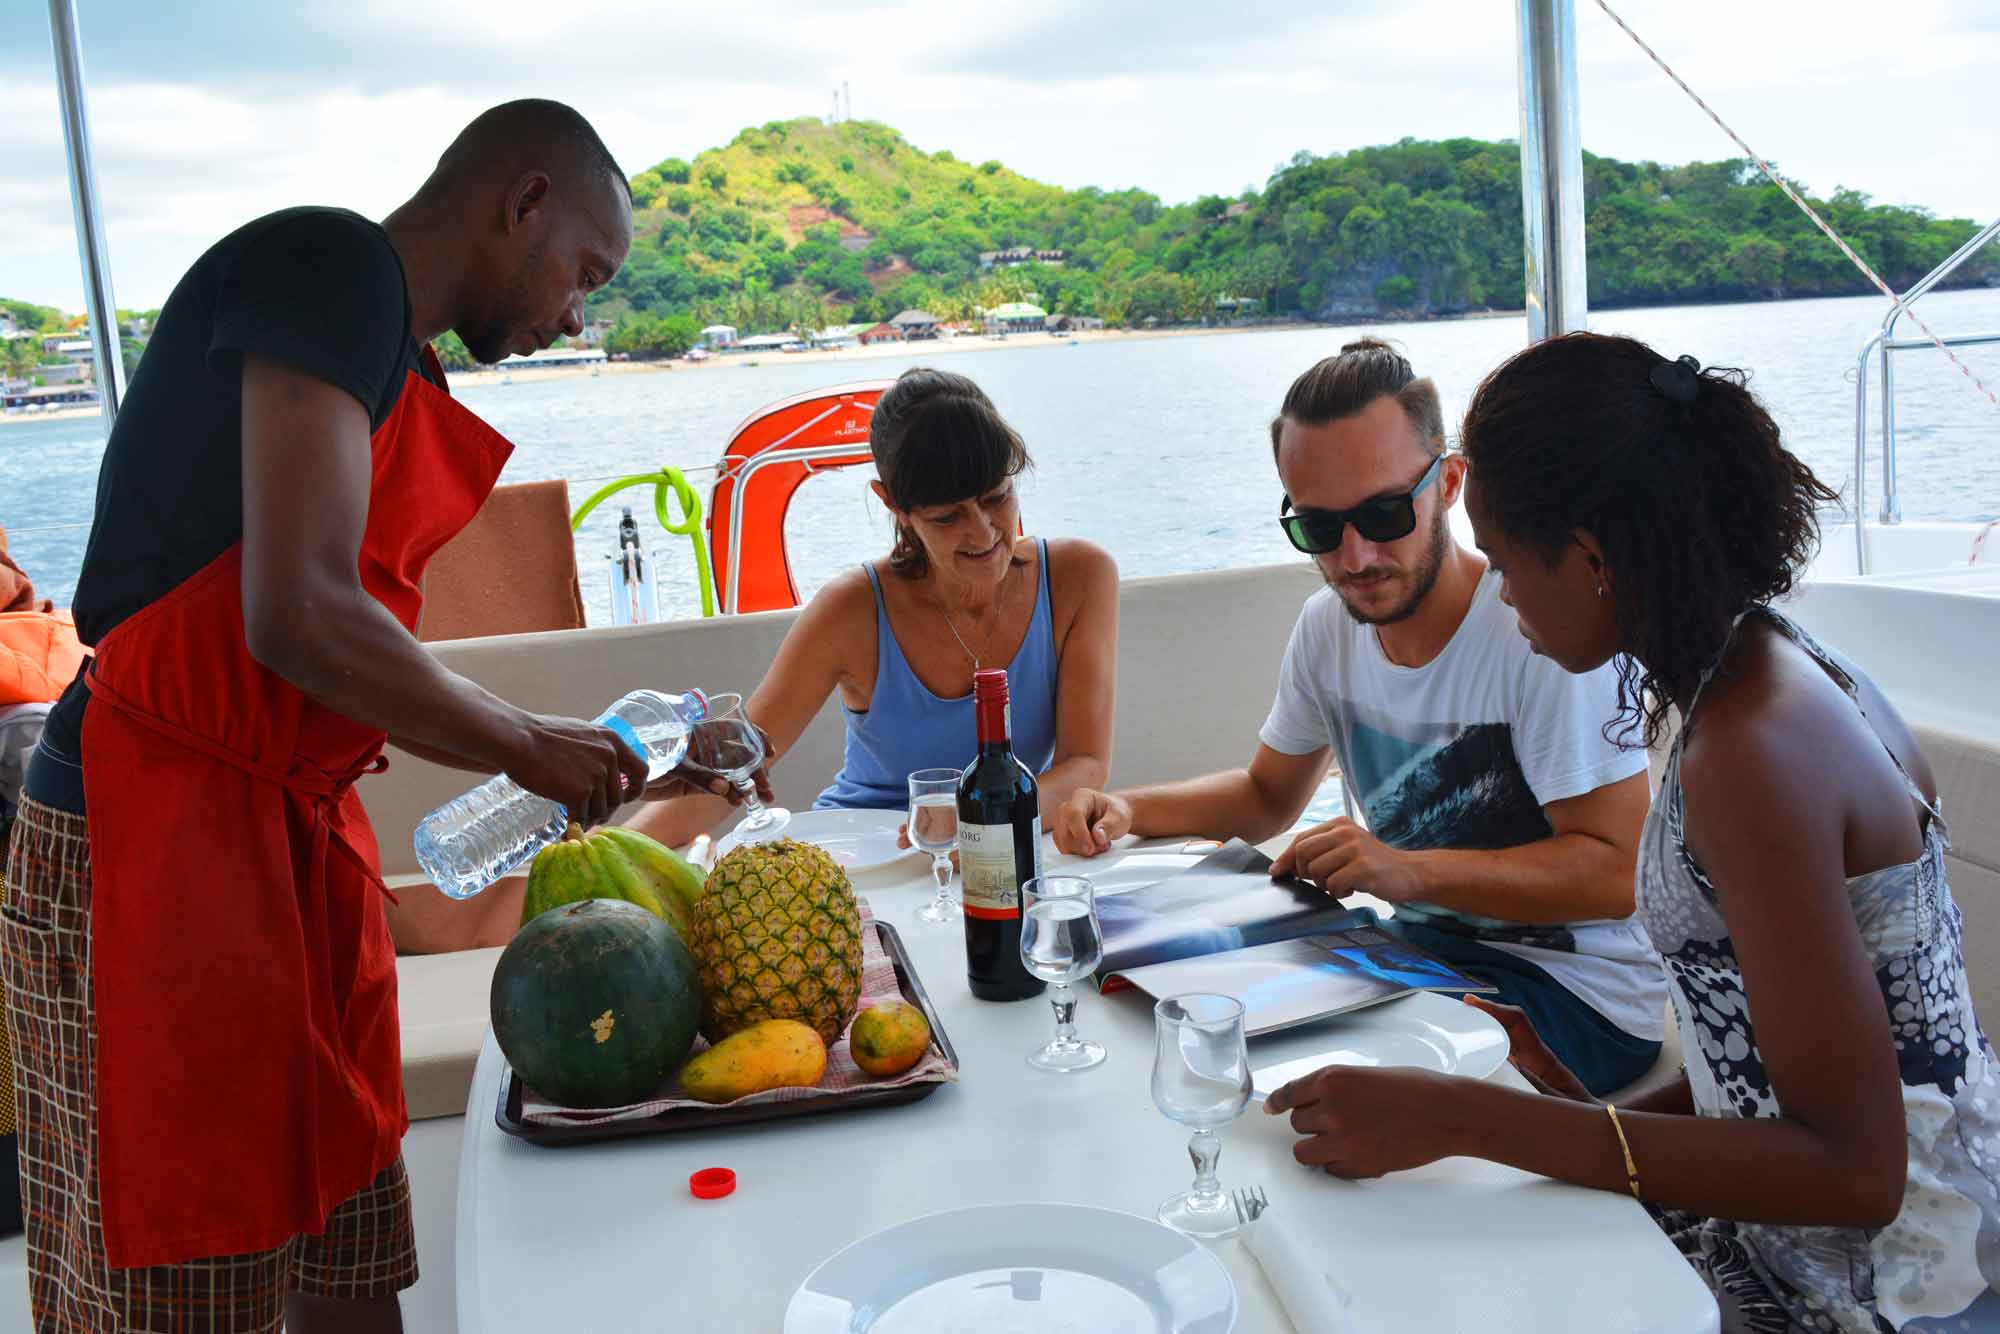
(59, 414)
(740, 360)
(873, 352)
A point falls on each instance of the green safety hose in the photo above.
(689, 527)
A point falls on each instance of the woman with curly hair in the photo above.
(1827, 1158)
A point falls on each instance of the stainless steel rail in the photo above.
(90, 243)
(1551, 169)
(1885, 340)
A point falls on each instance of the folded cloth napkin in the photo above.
(1311, 1299)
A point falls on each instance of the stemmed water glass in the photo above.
(1201, 1079)
(1060, 943)
(934, 829)
(733, 746)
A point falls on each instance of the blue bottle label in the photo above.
(626, 733)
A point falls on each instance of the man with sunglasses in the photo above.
(1492, 811)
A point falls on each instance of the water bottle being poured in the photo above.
(472, 840)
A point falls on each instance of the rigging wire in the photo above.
(1793, 195)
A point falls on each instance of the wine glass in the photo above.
(1201, 1078)
(934, 829)
(1061, 942)
(733, 746)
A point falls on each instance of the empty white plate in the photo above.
(1018, 1269)
(857, 840)
(1427, 1031)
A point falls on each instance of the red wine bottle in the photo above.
(999, 847)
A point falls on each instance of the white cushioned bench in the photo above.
(443, 1000)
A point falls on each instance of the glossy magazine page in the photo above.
(1226, 901)
(1290, 982)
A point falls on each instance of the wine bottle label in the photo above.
(991, 882)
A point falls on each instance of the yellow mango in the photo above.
(888, 1039)
(777, 1053)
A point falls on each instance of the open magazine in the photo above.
(1287, 950)
(1225, 901)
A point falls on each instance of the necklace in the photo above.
(999, 608)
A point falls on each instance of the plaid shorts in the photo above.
(368, 1249)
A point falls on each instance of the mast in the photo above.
(91, 246)
(1551, 169)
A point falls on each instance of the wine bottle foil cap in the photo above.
(990, 683)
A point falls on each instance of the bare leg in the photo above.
(329, 1315)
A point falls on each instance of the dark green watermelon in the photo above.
(595, 1003)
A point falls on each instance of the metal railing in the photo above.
(91, 245)
(1885, 339)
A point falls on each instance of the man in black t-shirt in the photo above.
(199, 982)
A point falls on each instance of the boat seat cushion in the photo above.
(443, 999)
(1968, 780)
(1976, 890)
(511, 570)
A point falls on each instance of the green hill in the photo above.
(800, 223)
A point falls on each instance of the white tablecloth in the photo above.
(605, 1237)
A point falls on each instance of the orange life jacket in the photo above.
(39, 655)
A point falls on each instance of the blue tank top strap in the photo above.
(885, 639)
(1044, 599)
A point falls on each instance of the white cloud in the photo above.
(202, 124)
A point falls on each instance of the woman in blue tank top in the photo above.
(900, 637)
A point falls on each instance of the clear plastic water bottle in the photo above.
(471, 841)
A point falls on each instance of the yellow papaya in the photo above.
(672, 877)
(888, 1039)
(777, 1053)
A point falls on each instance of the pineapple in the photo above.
(777, 935)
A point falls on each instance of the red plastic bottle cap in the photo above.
(712, 1183)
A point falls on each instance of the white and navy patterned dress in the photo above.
(1937, 1266)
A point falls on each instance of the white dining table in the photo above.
(605, 1237)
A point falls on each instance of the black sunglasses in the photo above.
(1383, 519)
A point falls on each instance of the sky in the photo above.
(205, 115)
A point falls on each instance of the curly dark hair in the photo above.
(1678, 472)
(937, 440)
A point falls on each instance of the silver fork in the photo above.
(1250, 1201)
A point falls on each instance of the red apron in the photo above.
(249, 1063)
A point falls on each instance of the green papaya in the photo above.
(613, 863)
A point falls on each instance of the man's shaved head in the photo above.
(531, 214)
(532, 134)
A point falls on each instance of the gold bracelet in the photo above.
(1631, 1168)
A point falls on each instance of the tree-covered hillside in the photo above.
(801, 223)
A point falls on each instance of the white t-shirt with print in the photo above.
(1465, 752)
